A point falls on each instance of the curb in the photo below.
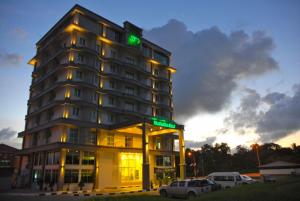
(86, 193)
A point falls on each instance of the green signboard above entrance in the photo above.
(163, 122)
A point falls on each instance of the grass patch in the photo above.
(285, 189)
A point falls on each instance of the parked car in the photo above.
(226, 179)
(247, 180)
(269, 179)
(188, 188)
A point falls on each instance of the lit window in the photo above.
(157, 143)
(131, 166)
(88, 158)
(87, 176)
(110, 139)
(128, 141)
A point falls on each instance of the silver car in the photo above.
(188, 188)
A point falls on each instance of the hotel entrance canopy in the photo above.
(150, 127)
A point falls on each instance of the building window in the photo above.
(157, 143)
(111, 118)
(157, 98)
(77, 92)
(91, 137)
(131, 166)
(38, 159)
(79, 75)
(156, 72)
(129, 106)
(111, 100)
(82, 41)
(87, 176)
(161, 58)
(129, 90)
(71, 176)
(113, 68)
(51, 176)
(75, 111)
(146, 51)
(128, 141)
(112, 84)
(50, 156)
(163, 160)
(93, 115)
(98, 48)
(129, 60)
(73, 136)
(72, 157)
(129, 75)
(113, 54)
(5, 163)
(80, 58)
(110, 139)
(88, 158)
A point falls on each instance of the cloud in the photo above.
(6, 134)
(9, 59)
(197, 145)
(279, 119)
(19, 33)
(282, 118)
(210, 64)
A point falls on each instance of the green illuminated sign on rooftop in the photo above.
(133, 40)
(163, 122)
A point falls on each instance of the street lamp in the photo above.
(193, 164)
(202, 161)
(256, 146)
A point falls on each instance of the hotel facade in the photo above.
(100, 110)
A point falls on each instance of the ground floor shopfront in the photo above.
(145, 160)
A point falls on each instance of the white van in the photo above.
(226, 179)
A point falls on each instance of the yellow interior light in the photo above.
(66, 113)
(154, 61)
(71, 57)
(68, 93)
(32, 61)
(105, 40)
(70, 28)
(69, 74)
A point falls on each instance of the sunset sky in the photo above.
(238, 63)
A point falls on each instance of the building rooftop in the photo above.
(279, 164)
(7, 149)
(81, 9)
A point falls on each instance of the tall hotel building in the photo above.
(100, 108)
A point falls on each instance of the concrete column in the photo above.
(97, 173)
(61, 174)
(181, 154)
(145, 147)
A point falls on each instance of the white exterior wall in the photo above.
(279, 171)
